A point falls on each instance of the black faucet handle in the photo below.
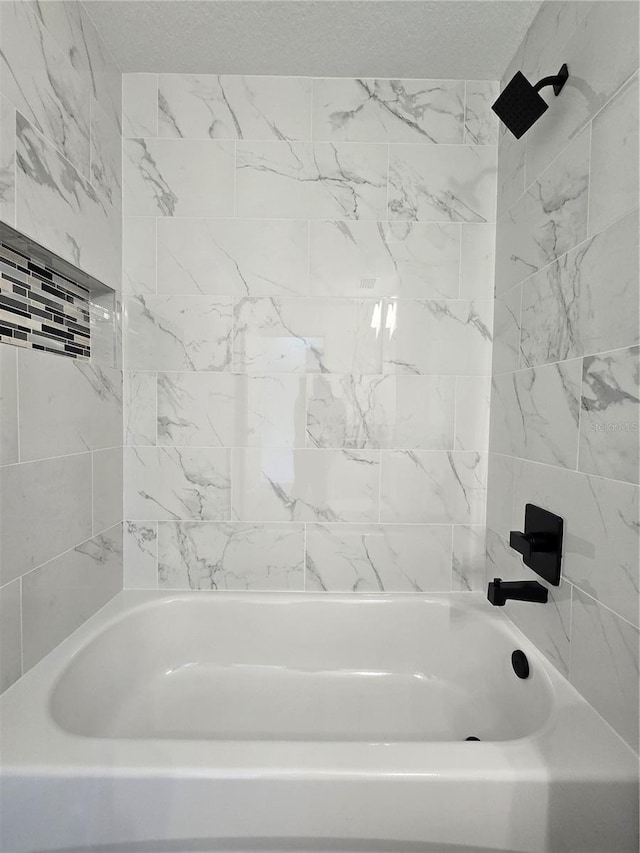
(521, 542)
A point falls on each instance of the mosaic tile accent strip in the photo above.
(42, 309)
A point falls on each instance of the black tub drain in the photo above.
(472, 738)
(520, 664)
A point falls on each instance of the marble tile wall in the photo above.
(308, 284)
(565, 404)
(61, 545)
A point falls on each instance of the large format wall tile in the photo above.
(303, 180)
(8, 405)
(305, 485)
(610, 415)
(438, 337)
(433, 487)
(206, 106)
(10, 634)
(385, 259)
(139, 404)
(237, 257)
(511, 177)
(140, 554)
(7, 161)
(388, 110)
(378, 558)
(231, 410)
(200, 555)
(178, 333)
(139, 254)
(506, 330)
(473, 397)
(480, 122)
(169, 483)
(106, 156)
(500, 485)
(45, 509)
(477, 260)
(59, 596)
(108, 488)
(139, 105)
(442, 183)
(166, 177)
(468, 558)
(67, 406)
(307, 335)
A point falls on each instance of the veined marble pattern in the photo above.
(106, 155)
(602, 534)
(305, 485)
(7, 161)
(614, 159)
(610, 416)
(310, 335)
(139, 254)
(385, 259)
(139, 105)
(378, 558)
(588, 301)
(477, 261)
(140, 554)
(468, 558)
(442, 183)
(178, 333)
(350, 411)
(208, 106)
(511, 177)
(433, 487)
(231, 410)
(199, 555)
(480, 122)
(40, 82)
(473, 396)
(238, 257)
(305, 180)
(8, 405)
(535, 413)
(139, 401)
(62, 211)
(438, 337)
(166, 177)
(168, 483)
(506, 329)
(548, 220)
(369, 110)
(500, 488)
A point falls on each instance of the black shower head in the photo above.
(520, 106)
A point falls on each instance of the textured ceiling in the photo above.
(472, 39)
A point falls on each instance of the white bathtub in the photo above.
(213, 721)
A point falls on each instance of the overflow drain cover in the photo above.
(520, 664)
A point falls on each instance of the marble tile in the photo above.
(601, 33)
(62, 594)
(62, 211)
(511, 176)
(438, 337)
(167, 177)
(105, 323)
(477, 261)
(378, 558)
(500, 487)
(66, 406)
(468, 559)
(8, 404)
(139, 404)
(304, 180)
(10, 635)
(41, 83)
(305, 485)
(535, 413)
(139, 254)
(614, 159)
(233, 257)
(506, 330)
(368, 110)
(140, 554)
(602, 535)
(139, 105)
(548, 220)
(548, 625)
(604, 664)
(169, 483)
(480, 122)
(473, 396)
(442, 184)
(237, 556)
(178, 333)
(433, 487)
(45, 508)
(106, 156)
(307, 335)
(610, 415)
(415, 412)
(587, 301)
(231, 410)
(107, 489)
(385, 259)
(209, 106)
(7, 161)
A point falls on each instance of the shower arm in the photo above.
(556, 80)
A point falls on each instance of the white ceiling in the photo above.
(471, 39)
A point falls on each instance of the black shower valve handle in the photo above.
(531, 543)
